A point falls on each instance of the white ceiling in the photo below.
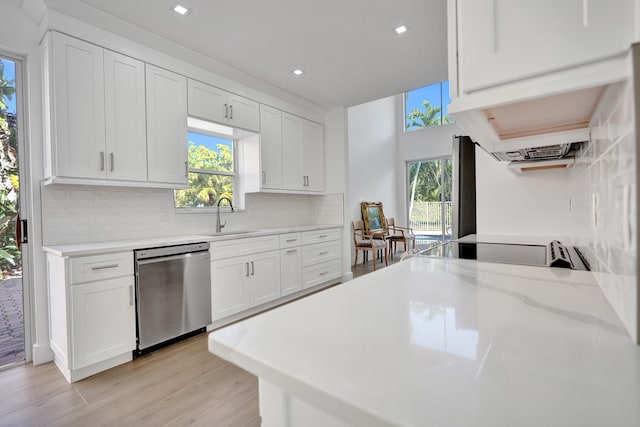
(348, 48)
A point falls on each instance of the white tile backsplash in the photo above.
(77, 214)
(603, 202)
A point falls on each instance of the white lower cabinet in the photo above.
(320, 257)
(103, 321)
(91, 312)
(290, 270)
(242, 282)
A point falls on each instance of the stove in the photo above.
(554, 254)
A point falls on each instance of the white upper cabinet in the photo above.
(166, 126)
(270, 147)
(302, 154)
(76, 88)
(210, 103)
(126, 131)
(502, 40)
(529, 73)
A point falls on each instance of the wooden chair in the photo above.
(366, 242)
(400, 234)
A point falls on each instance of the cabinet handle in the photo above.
(307, 180)
(104, 267)
(113, 161)
(230, 112)
(252, 269)
(291, 240)
(186, 169)
(324, 253)
(324, 272)
(264, 176)
(322, 236)
(101, 161)
(131, 295)
(292, 251)
(226, 111)
(247, 265)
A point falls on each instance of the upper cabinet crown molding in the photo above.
(507, 58)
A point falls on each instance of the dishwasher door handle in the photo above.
(172, 257)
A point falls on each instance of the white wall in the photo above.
(533, 204)
(372, 140)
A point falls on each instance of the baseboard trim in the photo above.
(42, 354)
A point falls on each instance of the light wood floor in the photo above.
(179, 385)
(362, 269)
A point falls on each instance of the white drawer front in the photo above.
(289, 240)
(238, 247)
(320, 273)
(313, 254)
(103, 266)
(319, 236)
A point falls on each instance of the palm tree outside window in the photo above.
(427, 106)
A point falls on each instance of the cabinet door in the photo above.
(313, 155)
(271, 147)
(264, 278)
(166, 126)
(207, 102)
(229, 283)
(243, 113)
(103, 323)
(502, 40)
(78, 113)
(290, 271)
(292, 168)
(126, 132)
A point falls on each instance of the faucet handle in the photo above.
(222, 225)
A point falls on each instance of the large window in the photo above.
(211, 168)
(427, 106)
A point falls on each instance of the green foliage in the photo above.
(9, 183)
(429, 117)
(426, 185)
(206, 187)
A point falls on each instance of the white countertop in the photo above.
(448, 342)
(82, 249)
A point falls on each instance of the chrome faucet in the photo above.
(219, 226)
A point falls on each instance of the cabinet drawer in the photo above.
(238, 247)
(318, 236)
(320, 273)
(320, 252)
(103, 266)
(289, 240)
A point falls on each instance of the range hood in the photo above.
(546, 152)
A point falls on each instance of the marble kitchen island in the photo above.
(443, 342)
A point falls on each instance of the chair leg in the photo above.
(356, 260)
(374, 262)
(386, 260)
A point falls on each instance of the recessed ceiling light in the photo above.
(401, 29)
(181, 9)
(297, 71)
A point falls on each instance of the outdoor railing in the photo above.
(427, 216)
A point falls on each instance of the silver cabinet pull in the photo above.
(324, 272)
(131, 295)
(104, 267)
(291, 251)
(291, 240)
(324, 253)
(247, 265)
(101, 161)
(230, 112)
(253, 272)
(186, 169)
(112, 160)
(264, 176)
(322, 236)
(226, 111)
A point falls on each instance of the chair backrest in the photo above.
(358, 226)
(391, 222)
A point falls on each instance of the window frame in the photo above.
(233, 174)
(406, 113)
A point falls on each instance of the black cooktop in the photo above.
(506, 253)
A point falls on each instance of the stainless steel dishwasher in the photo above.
(173, 293)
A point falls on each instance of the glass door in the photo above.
(12, 330)
(429, 199)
